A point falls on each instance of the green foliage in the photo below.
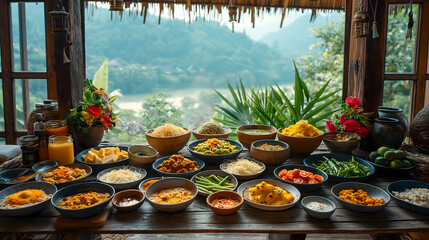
(101, 77)
(158, 111)
(271, 105)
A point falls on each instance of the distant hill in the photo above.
(295, 39)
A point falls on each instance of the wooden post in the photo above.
(366, 62)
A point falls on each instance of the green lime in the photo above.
(406, 163)
(409, 158)
(373, 156)
(382, 150)
(381, 161)
(392, 149)
(395, 164)
(399, 154)
(389, 155)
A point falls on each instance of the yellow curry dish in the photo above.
(269, 194)
(83, 200)
(301, 129)
(63, 174)
(172, 195)
(24, 198)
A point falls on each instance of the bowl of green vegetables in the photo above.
(341, 167)
(212, 181)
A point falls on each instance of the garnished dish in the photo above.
(269, 147)
(350, 168)
(360, 197)
(301, 129)
(83, 200)
(210, 128)
(214, 146)
(124, 175)
(392, 158)
(224, 202)
(265, 193)
(256, 131)
(417, 196)
(178, 164)
(340, 137)
(318, 206)
(300, 176)
(105, 155)
(168, 130)
(63, 174)
(172, 195)
(211, 184)
(24, 198)
(242, 166)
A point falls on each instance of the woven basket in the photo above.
(421, 160)
(419, 130)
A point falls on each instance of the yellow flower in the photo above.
(88, 118)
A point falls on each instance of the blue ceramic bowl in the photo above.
(215, 159)
(88, 170)
(40, 166)
(302, 187)
(101, 166)
(81, 188)
(7, 175)
(391, 170)
(372, 191)
(123, 186)
(401, 186)
(200, 164)
(314, 159)
(48, 188)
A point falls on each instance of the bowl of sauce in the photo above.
(128, 200)
(225, 202)
(142, 156)
(247, 134)
(318, 207)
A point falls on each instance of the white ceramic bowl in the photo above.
(317, 213)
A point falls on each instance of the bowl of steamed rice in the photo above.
(122, 177)
(168, 138)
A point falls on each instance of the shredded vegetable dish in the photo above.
(214, 146)
(64, 174)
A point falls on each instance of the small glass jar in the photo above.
(56, 127)
(60, 149)
(30, 149)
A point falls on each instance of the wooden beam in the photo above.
(7, 65)
(29, 75)
(49, 37)
(347, 28)
(77, 50)
(400, 76)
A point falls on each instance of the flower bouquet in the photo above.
(93, 116)
(352, 119)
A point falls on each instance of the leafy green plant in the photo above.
(271, 106)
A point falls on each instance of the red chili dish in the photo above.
(300, 176)
(224, 202)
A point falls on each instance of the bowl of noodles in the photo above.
(168, 138)
(122, 177)
(26, 198)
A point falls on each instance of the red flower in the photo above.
(105, 121)
(330, 126)
(343, 117)
(350, 125)
(95, 111)
(362, 131)
(352, 102)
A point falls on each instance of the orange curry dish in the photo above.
(64, 174)
(178, 164)
(83, 200)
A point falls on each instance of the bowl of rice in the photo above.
(410, 194)
(270, 152)
(243, 168)
(122, 177)
(168, 138)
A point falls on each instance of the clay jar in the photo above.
(389, 112)
(387, 132)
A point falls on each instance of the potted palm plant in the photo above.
(93, 116)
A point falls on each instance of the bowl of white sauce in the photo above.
(318, 207)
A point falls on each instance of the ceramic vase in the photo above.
(89, 137)
(396, 113)
(387, 132)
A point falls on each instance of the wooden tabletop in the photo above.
(199, 218)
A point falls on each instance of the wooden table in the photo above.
(198, 218)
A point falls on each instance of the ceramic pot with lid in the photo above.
(387, 132)
(48, 108)
(389, 112)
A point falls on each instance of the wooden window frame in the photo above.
(8, 75)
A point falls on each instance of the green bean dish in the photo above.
(214, 146)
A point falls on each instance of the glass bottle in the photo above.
(60, 149)
(39, 131)
(30, 150)
(56, 127)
